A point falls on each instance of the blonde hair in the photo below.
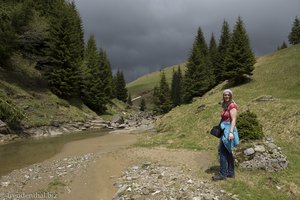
(223, 103)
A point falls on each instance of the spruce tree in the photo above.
(65, 51)
(92, 88)
(129, 100)
(106, 74)
(222, 50)
(176, 87)
(114, 86)
(121, 91)
(199, 76)
(7, 34)
(162, 96)
(214, 56)
(239, 59)
(143, 105)
(155, 100)
(283, 46)
(294, 36)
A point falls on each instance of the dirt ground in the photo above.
(116, 155)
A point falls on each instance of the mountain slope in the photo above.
(274, 95)
(147, 82)
(143, 86)
(26, 91)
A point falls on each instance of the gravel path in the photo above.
(106, 168)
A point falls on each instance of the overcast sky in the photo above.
(142, 36)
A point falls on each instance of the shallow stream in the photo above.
(33, 150)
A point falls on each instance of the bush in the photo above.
(9, 112)
(248, 126)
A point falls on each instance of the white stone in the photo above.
(271, 145)
(223, 191)
(190, 181)
(5, 184)
(278, 188)
(259, 148)
(249, 151)
(156, 192)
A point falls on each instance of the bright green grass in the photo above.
(27, 90)
(147, 82)
(276, 74)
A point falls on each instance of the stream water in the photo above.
(33, 150)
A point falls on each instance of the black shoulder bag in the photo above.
(217, 131)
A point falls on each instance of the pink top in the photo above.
(226, 115)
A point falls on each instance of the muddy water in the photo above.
(29, 151)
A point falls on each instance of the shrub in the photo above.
(9, 112)
(248, 126)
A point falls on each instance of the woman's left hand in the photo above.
(230, 137)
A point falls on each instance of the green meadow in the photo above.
(276, 78)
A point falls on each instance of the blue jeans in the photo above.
(226, 161)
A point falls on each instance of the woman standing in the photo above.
(230, 137)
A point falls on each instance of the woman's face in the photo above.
(226, 96)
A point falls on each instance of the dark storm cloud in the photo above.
(141, 36)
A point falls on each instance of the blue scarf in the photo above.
(229, 144)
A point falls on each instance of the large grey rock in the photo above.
(249, 151)
(117, 119)
(271, 145)
(4, 129)
(267, 157)
(259, 148)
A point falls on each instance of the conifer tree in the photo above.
(155, 99)
(283, 46)
(114, 86)
(222, 49)
(121, 91)
(106, 74)
(239, 58)
(7, 35)
(176, 87)
(91, 57)
(214, 56)
(294, 36)
(162, 98)
(65, 50)
(129, 100)
(92, 88)
(143, 105)
(199, 76)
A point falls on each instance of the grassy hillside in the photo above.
(27, 91)
(144, 85)
(276, 75)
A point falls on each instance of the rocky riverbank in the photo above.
(56, 175)
(103, 169)
(155, 181)
(46, 174)
(132, 121)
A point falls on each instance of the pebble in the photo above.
(5, 184)
(267, 156)
(174, 184)
(18, 179)
(249, 151)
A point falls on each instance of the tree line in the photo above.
(50, 34)
(294, 35)
(208, 65)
